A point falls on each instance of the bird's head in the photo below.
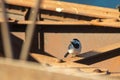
(76, 43)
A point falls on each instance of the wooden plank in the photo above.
(82, 22)
(79, 9)
(56, 22)
(51, 61)
(56, 18)
(54, 61)
(108, 47)
(94, 52)
(70, 61)
(106, 23)
(13, 69)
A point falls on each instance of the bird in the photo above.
(118, 7)
(74, 48)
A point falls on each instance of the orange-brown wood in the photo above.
(78, 9)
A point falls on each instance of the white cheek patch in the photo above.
(59, 9)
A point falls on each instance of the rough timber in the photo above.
(57, 18)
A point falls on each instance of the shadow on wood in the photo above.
(99, 57)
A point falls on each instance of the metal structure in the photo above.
(34, 18)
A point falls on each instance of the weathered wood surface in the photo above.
(78, 9)
(52, 61)
(101, 24)
(47, 17)
(109, 47)
(84, 55)
(82, 22)
(55, 61)
(14, 70)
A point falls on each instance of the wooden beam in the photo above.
(13, 69)
(78, 9)
(100, 24)
(82, 22)
(56, 18)
(108, 47)
(56, 22)
(54, 62)
(102, 50)
(106, 23)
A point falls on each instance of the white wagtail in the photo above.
(74, 48)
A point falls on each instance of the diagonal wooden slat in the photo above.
(5, 32)
(30, 31)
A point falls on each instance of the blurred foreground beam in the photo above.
(30, 31)
(5, 32)
(12, 70)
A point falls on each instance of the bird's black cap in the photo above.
(76, 39)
